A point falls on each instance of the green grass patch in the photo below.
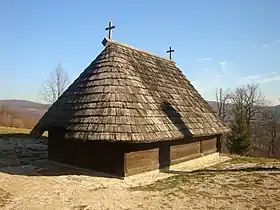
(243, 159)
(175, 182)
(10, 131)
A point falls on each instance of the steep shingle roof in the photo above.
(127, 94)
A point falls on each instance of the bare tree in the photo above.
(259, 135)
(55, 85)
(223, 104)
(247, 106)
(224, 112)
(270, 117)
(250, 100)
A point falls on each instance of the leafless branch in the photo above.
(271, 127)
(55, 85)
(249, 100)
(223, 104)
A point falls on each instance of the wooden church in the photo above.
(129, 112)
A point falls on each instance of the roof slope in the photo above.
(127, 94)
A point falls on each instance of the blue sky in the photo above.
(217, 43)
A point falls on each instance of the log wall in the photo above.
(140, 161)
(184, 152)
(209, 146)
(145, 157)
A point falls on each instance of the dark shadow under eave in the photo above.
(164, 151)
(175, 118)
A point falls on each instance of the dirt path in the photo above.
(40, 184)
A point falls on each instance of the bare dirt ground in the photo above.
(29, 181)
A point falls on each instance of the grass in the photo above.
(17, 131)
(10, 130)
(181, 183)
(242, 159)
(175, 181)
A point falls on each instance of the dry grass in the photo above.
(210, 175)
(236, 184)
(175, 182)
(219, 190)
(235, 159)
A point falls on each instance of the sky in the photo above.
(218, 44)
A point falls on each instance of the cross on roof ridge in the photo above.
(110, 28)
(107, 41)
(170, 51)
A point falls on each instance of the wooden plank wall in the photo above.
(209, 146)
(184, 152)
(123, 159)
(166, 154)
(140, 161)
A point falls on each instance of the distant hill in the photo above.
(10, 117)
(27, 110)
(23, 104)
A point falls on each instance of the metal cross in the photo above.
(111, 27)
(170, 51)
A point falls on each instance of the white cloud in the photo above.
(250, 78)
(204, 59)
(264, 45)
(260, 78)
(270, 79)
(218, 75)
(206, 69)
(224, 65)
(274, 72)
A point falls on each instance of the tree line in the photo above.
(255, 126)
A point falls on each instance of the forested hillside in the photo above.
(12, 118)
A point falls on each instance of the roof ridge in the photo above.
(106, 41)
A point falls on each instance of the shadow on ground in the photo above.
(20, 154)
(228, 170)
(50, 168)
(19, 135)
